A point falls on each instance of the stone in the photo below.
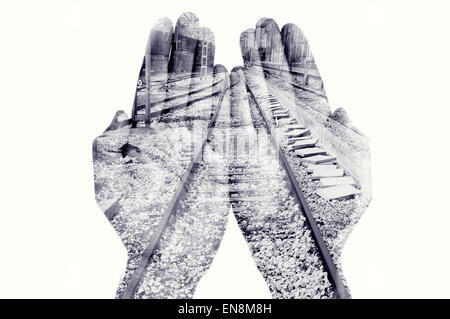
(297, 133)
(335, 181)
(304, 144)
(337, 192)
(331, 172)
(319, 159)
(306, 152)
(129, 150)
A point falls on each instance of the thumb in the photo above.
(119, 120)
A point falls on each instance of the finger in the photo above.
(264, 49)
(296, 46)
(206, 102)
(270, 47)
(249, 49)
(150, 89)
(202, 75)
(222, 76)
(160, 46)
(222, 99)
(119, 120)
(235, 80)
(239, 97)
(252, 58)
(191, 69)
(300, 59)
(183, 46)
(204, 53)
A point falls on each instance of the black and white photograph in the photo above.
(197, 150)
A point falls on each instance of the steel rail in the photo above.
(333, 274)
(292, 83)
(170, 211)
(298, 86)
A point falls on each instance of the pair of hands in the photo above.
(177, 71)
(140, 161)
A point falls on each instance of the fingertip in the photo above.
(119, 120)
(185, 44)
(207, 34)
(235, 75)
(261, 21)
(341, 116)
(120, 116)
(160, 39)
(248, 34)
(290, 28)
(237, 69)
(294, 42)
(187, 19)
(219, 68)
(267, 23)
(221, 72)
(163, 24)
(268, 40)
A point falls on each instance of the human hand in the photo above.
(141, 163)
(328, 158)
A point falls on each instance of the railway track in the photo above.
(279, 201)
(193, 201)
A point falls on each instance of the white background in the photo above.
(67, 66)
